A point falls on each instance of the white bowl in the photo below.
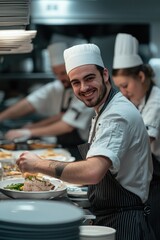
(59, 190)
(88, 232)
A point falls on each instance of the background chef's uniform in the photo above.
(150, 109)
(51, 99)
(126, 56)
(54, 98)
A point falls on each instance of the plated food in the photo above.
(47, 189)
(55, 153)
(11, 170)
(36, 144)
(50, 153)
(32, 183)
(30, 144)
(8, 145)
(8, 159)
(5, 155)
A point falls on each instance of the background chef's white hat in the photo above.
(55, 51)
(82, 54)
(126, 52)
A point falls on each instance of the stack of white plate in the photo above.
(14, 17)
(16, 41)
(78, 194)
(40, 219)
(14, 13)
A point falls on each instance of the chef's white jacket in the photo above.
(47, 100)
(150, 112)
(121, 136)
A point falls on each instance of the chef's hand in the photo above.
(18, 133)
(28, 162)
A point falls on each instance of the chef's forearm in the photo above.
(55, 129)
(17, 110)
(80, 172)
(45, 122)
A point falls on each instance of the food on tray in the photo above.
(11, 170)
(8, 146)
(35, 144)
(5, 155)
(28, 175)
(49, 153)
(12, 173)
(32, 183)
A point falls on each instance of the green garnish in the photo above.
(15, 186)
(30, 177)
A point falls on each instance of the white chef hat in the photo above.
(82, 54)
(126, 52)
(55, 51)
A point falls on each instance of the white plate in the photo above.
(76, 191)
(9, 159)
(48, 214)
(62, 154)
(59, 190)
(97, 232)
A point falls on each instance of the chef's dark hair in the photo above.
(134, 71)
(101, 69)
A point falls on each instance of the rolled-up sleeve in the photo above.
(110, 141)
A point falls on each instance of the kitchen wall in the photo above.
(99, 12)
(94, 11)
(97, 21)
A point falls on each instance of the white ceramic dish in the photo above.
(62, 154)
(5, 158)
(39, 215)
(59, 190)
(92, 232)
(76, 191)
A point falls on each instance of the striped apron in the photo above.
(116, 207)
(154, 193)
(154, 198)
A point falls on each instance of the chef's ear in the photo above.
(106, 74)
(141, 76)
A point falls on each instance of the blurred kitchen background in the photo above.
(96, 21)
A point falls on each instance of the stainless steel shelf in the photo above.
(27, 76)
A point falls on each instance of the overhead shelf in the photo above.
(27, 76)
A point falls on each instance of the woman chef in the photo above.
(135, 81)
